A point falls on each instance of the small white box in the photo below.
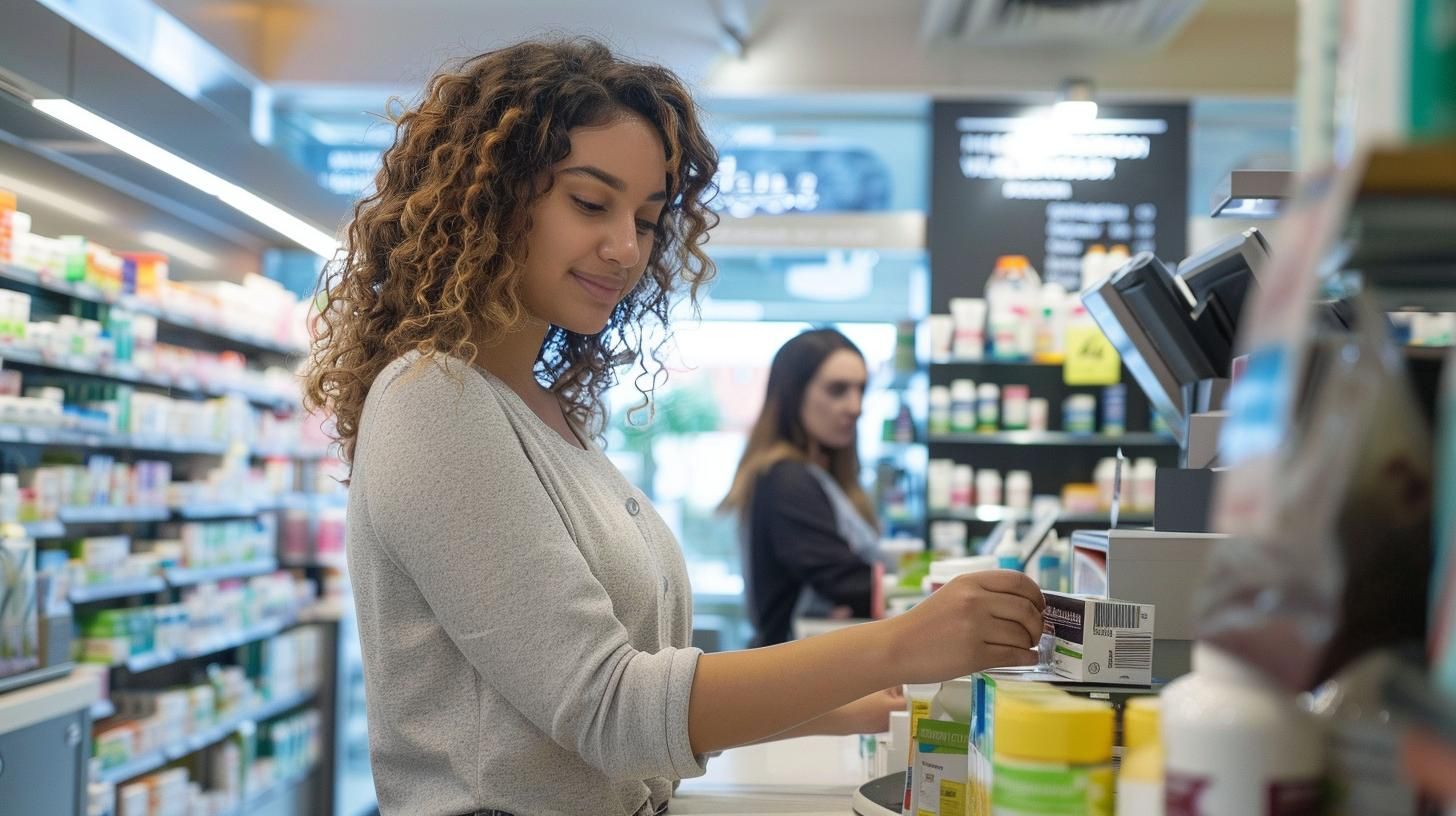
(1100, 640)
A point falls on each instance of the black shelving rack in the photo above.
(1053, 457)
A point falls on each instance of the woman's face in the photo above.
(832, 401)
(592, 234)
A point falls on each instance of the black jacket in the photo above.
(792, 540)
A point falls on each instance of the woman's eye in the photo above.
(838, 390)
(645, 227)
(588, 206)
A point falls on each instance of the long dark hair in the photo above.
(438, 248)
(779, 432)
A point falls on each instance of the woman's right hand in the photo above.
(978, 621)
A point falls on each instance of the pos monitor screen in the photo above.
(1174, 331)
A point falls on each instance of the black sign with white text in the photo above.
(1009, 179)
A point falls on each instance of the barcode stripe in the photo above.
(1116, 616)
(1132, 652)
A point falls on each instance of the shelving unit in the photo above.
(994, 514)
(83, 292)
(67, 438)
(1057, 439)
(138, 664)
(117, 589)
(27, 358)
(25, 445)
(196, 742)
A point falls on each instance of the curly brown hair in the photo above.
(436, 251)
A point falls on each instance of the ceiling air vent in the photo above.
(1090, 23)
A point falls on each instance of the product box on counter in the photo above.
(941, 756)
(1100, 640)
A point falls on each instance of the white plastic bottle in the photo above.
(1051, 328)
(962, 406)
(940, 409)
(1117, 257)
(1093, 265)
(1144, 484)
(939, 474)
(1236, 744)
(988, 488)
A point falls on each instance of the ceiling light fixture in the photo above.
(289, 225)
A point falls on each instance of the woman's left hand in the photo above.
(869, 714)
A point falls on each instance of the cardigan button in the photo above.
(633, 507)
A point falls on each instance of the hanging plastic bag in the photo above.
(1332, 524)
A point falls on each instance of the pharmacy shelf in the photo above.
(202, 512)
(299, 454)
(957, 361)
(13, 355)
(116, 589)
(90, 294)
(44, 529)
(62, 437)
(136, 664)
(112, 515)
(196, 742)
(202, 739)
(1055, 439)
(254, 802)
(145, 763)
(180, 577)
(69, 438)
(223, 510)
(992, 514)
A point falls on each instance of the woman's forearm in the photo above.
(755, 695)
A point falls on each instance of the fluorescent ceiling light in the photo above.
(306, 235)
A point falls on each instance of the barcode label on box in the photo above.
(1132, 652)
(1115, 616)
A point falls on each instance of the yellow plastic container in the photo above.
(1053, 756)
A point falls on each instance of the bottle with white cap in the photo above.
(939, 474)
(962, 487)
(940, 409)
(1237, 744)
(988, 488)
(1018, 490)
(962, 406)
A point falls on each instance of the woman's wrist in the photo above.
(886, 651)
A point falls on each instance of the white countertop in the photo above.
(808, 776)
(26, 707)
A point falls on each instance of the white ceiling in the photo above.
(359, 51)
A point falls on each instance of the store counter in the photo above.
(45, 745)
(808, 776)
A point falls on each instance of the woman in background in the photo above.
(809, 531)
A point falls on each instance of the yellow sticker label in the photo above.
(919, 710)
(1091, 359)
(952, 798)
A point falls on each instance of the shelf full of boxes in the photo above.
(156, 469)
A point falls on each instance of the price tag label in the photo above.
(1091, 359)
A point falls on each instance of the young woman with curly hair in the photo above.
(525, 615)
